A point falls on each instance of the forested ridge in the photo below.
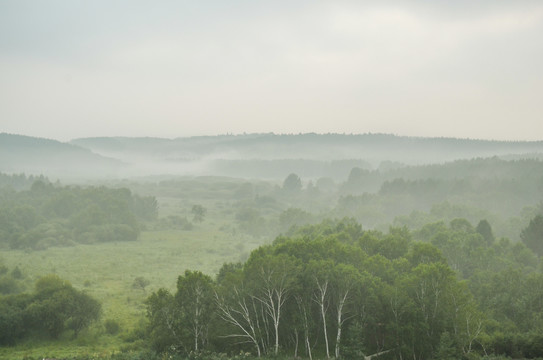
(270, 156)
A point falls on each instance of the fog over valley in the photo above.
(122, 243)
(267, 156)
(237, 180)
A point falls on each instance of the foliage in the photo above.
(140, 283)
(433, 211)
(112, 327)
(532, 235)
(293, 217)
(54, 307)
(292, 184)
(47, 215)
(198, 213)
(310, 292)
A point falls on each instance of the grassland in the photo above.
(107, 271)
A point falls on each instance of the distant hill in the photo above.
(268, 156)
(312, 155)
(311, 146)
(31, 155)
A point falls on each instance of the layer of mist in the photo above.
(266, 156)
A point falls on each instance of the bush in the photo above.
(112, 327)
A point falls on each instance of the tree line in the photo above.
(335, 290)
(50, 214)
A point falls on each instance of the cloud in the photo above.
(177, 68)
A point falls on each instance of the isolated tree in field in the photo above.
(140, 283)
(198, 213)
(292, 183)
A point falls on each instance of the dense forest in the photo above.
(47, 215)
(316, 258)
(336, 290)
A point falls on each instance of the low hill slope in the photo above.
(30, 155)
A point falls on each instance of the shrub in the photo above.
(112, 327)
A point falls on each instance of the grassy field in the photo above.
(107, 272)
(163, 251)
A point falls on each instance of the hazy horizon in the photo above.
(178, 69)
(172, 137)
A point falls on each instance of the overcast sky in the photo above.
(463, 68)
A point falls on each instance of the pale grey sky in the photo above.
(74, 68)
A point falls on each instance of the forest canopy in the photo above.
(337, 290)
(53, 215)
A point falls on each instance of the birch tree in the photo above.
(271, 278)
(195, 298)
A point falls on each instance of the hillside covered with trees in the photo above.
(325, 258)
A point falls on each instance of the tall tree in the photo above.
(347, 280)
(195, 298)
(292, 183)
(198, 212)
(164, 320)
(484, 228)
(272, 279)
(322, 277)
(532, 235)
(236, 308)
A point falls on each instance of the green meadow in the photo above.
(107, 272)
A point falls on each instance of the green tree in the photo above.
(198, 213)
(293, 217)
(57, 306)
(484, 228)
(532, 235)
(145, 207)
(140, 283)
(460, 224)
(251, 221)
(322, 274)
(347, 281)
(292, 183)
(239, 309)
(195, 298)
(271, 280)
(12, 318)
(83, 311)
(164, 320)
